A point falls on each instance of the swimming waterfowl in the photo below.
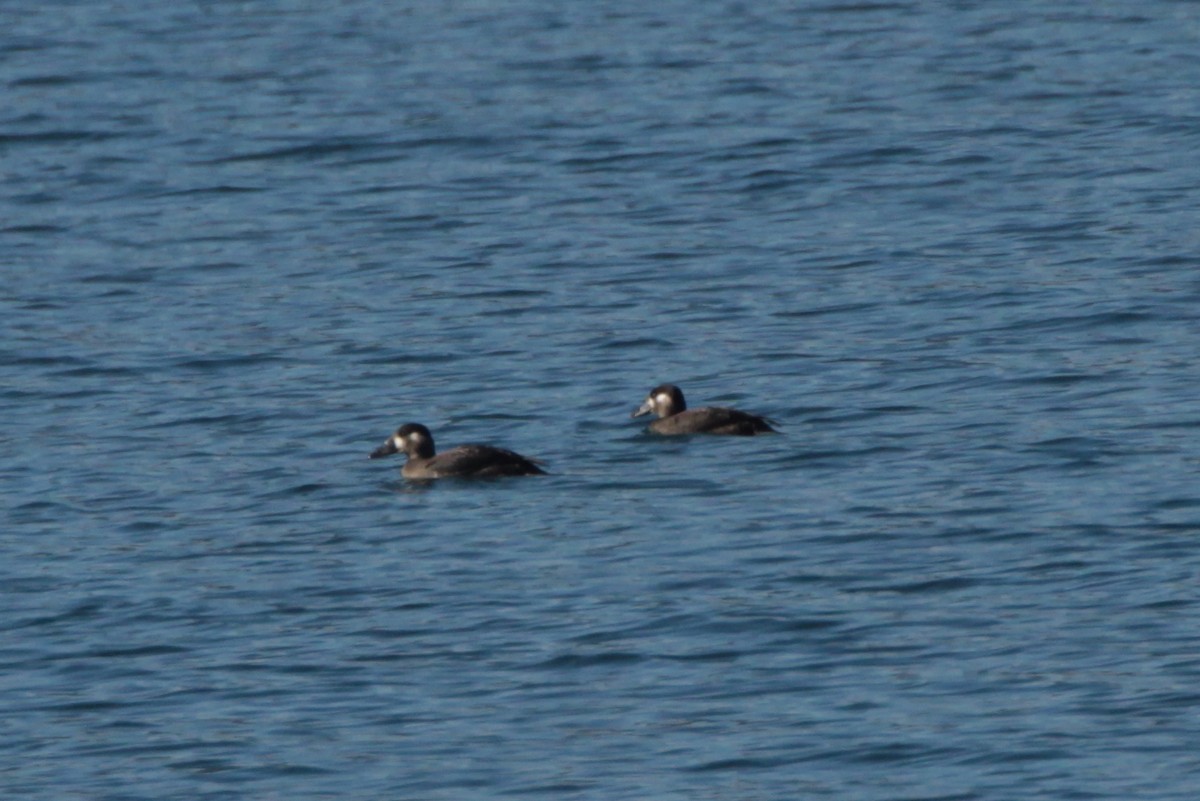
(674, 417)
(465, 461)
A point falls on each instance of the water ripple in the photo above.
(950, 249)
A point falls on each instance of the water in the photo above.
(951, 247)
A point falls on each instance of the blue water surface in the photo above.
(952, 247)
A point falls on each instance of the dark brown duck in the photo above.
(674, 417)
(465, 461)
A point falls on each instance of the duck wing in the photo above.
(482, 461)
(735, 422)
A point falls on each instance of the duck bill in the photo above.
(386, 449)
(645, 408)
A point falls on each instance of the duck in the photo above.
(464, 461)
(674, 417)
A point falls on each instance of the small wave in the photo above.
(34, 229)
(56, 138)
(950, 584)
(590, 660)
(208, 364)
(735, 764)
